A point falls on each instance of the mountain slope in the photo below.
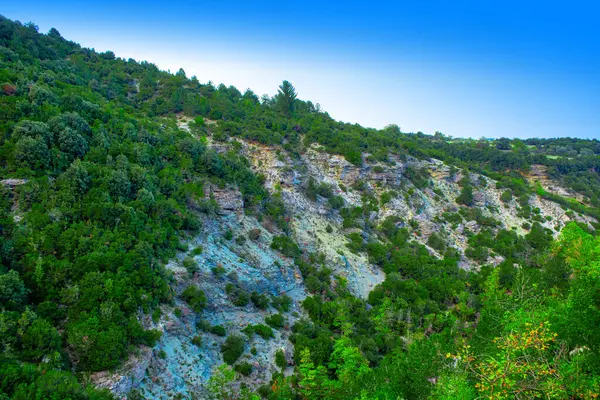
(155, 228)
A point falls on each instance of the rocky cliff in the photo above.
(234, 253)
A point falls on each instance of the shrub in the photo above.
(244, 368)
(280, 360)
(282, 303)
(466, 196)
(218, 330)
(259, 300)
(194, 297)
(238, 296)
(506, 196)
(386, 197)
(197, 340)
(336, 202)
(276, 321)
(190, 264)
(437, 242)
(197, 251)
(254, 234)
(218, 270)
(233, 348)
(261, 330)
(285, 245)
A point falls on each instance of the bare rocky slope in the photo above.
(176, 366)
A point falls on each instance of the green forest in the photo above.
(97, 186)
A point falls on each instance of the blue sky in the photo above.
(468, 69)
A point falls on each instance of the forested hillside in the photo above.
(299, 257)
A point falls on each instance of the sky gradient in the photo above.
(467, 69)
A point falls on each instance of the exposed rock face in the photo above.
(252, 266)
(13, 182)
(229, 200)
(176, 367)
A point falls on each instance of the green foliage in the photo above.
(12, 291)
(238, 296)
(506, 196)
(244, 368)
(233, 348)
(276, 321)
(197, 251)
(197, 341)
(195, 298)
(285, 245)
(466, 196)
(437, 242)
(27, 381)
(261, 330)
(280, 360)
(286, 98)
(281, 303)
(205, 326)
(260, 301)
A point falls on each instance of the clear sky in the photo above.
(465, 68)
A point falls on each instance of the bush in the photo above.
(190, 264)
(506, 196)
(244, 368)
(280, 360)
(261, 330)
(276, 321)
(197, 340)
(197, 251)
(254, 234)
(286, 245)
(259, 300)
(194, 297)
(238, 296)
(233, 348)
(478, 253)
(205, 326)
(386, 197)
(336, 202)
(282, 303)
(466, 196)
(437, 242)
(218, 271)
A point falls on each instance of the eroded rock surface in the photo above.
(177, 367)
